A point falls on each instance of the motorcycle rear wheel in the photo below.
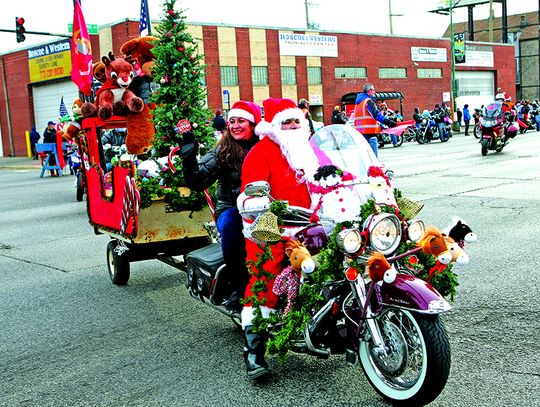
(485, 144)
(417, 365)
(477, 133)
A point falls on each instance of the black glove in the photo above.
(189, 145)
(188, 137)
(390, 122)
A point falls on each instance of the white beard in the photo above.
(294, 145)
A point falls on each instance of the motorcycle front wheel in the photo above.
(415, 367)
(485, 145)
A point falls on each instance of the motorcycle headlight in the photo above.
(415, 230)
(384, 232)
(349, 240)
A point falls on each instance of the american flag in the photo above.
(144, 23)
(63, 109)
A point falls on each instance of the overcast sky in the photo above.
(366, 16)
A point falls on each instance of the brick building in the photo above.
(523, 35)
(254, 63)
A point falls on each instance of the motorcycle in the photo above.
(497, 128)
(385, 138)
(74, 161)
(392, 329)
(429, 130)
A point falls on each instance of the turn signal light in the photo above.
(351, 273)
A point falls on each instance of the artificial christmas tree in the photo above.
(180, 96)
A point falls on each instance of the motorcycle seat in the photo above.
(208, 258)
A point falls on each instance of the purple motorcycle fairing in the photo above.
(412, 293)
(313, 237)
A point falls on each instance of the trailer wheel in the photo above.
(117, 263)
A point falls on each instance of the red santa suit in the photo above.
(266, 162)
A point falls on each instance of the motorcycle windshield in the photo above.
(493, 111)
(344, 147)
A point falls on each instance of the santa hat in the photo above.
(246, 110)
(277, 111)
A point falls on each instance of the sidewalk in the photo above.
(19, 163)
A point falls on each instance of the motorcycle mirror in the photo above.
(257, 188)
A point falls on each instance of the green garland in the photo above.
(285, 329)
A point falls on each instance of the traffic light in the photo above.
(19, 29)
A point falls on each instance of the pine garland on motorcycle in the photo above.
(285, 328)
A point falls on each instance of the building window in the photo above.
(429, 72)
(288, 75)
(259, 75)
(392, 73)
(350, 72)
(314, 75)
(229, 75)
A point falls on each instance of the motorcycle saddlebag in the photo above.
(202, 266)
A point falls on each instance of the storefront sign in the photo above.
(51, 61)
(308, 45)
(424, 54)
(478, 58)
(459, 48)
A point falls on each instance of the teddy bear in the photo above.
(138, 51)
(114, 97)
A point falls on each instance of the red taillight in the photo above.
(351, 273)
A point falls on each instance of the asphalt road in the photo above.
(68, 337)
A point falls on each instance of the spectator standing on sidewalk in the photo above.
(466, 118)
(34, 138)
(49, 136)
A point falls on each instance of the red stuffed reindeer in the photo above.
(114, 97)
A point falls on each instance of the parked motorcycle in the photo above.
(385, 138)
(392, 329)
(497, 128)
(429, 131)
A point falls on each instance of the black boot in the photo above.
(233, 302)
(254, 351)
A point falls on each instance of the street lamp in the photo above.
(455, 126)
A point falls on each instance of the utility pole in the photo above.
(309, 25)
(390, 15)
(454, 90)
(490, 21)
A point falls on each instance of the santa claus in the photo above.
(285, 160)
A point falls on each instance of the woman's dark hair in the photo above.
(231, 152)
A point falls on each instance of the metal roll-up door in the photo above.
(47, 101)
(475, 88)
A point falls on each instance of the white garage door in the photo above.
(47, 101)
(475, 88)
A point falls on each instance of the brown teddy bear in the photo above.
(141, 130)
(114, 97)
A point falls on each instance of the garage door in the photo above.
(47, 101)
(475, 88)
